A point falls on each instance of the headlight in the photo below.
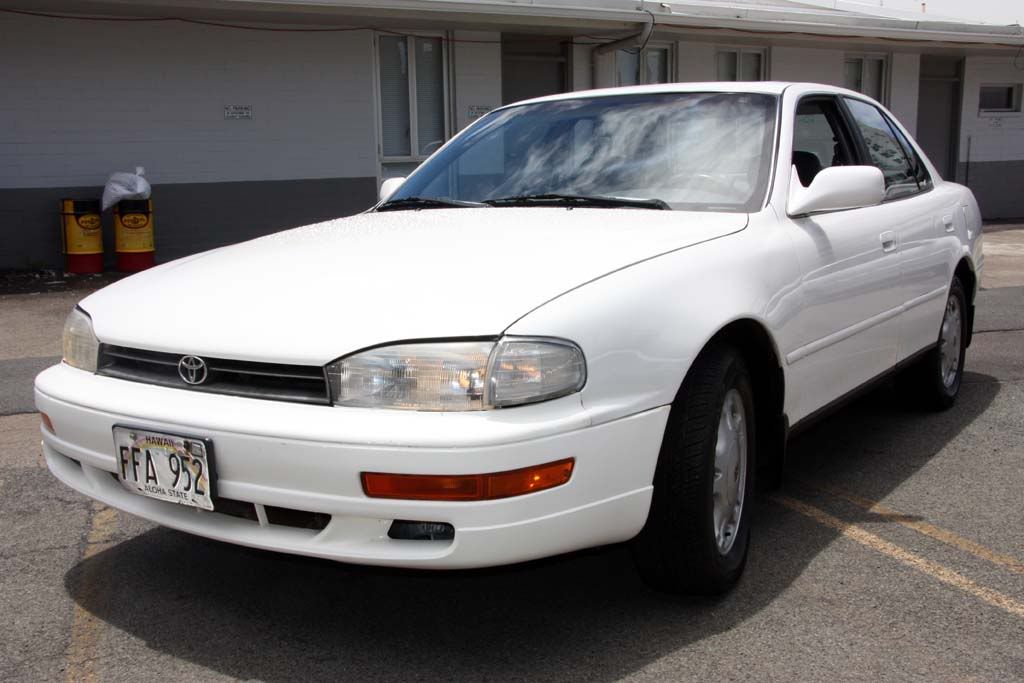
(80, 346)
(458, 375)
(531, 370)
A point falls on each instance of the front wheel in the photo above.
(697, 533)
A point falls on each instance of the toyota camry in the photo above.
(587, 319)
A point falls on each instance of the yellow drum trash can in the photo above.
(133, 235)
(81, 235)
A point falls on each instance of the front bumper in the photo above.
(308, 458)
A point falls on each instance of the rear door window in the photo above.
(884, 150)
(924, 180)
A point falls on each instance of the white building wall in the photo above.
(79, 100)
(477, 67)
(695, 62)
(991, 160)
(83, 99)
(603, 69)
(989, 137)
(811, 65)
(582, 67)
(904, 84)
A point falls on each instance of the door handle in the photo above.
(947, 222)
(888, 240)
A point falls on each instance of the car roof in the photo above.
(761, 87)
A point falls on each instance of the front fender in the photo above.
(640, 328)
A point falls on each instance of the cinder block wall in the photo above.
(84, 99)
(991, 159)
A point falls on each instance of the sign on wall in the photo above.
(478, 110)
(237, 112)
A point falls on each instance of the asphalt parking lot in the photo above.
(894, 551)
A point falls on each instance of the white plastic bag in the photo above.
(125, 186)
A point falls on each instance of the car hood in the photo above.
(312, 294)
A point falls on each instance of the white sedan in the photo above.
(587, 319)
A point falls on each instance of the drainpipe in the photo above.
(636, 40)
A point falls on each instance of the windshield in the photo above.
(692, 151)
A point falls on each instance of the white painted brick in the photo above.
(582, 67)
(477, 72)
(990, 137)
(904, 85)
(811, 65)
(695, 62)
(83, 99)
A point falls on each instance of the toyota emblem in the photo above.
(192, 370)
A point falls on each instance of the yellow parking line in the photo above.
(930, 530)
(926, 566)
(85, 628)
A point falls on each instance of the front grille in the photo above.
(271, 381)
(297, 519)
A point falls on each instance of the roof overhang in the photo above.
(790, 20)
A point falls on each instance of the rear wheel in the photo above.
(697, 532)
(937, 376)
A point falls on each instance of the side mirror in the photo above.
(389, 186)
(836, 188)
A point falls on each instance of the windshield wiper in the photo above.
(554, 199)
(427, 203)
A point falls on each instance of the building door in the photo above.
(533, 66)
(938, 111)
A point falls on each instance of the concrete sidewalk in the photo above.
(1004, 257)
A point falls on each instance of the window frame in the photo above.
(1016, 93)
(410, 36)
(863, 57)
(771, 146)
(660, 45)
(911, 156)
(739, 51)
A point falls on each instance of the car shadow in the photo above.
(259, 615)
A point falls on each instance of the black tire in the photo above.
(929, 384)
(677, 551)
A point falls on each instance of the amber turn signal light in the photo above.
(467, 486)
(47, 423)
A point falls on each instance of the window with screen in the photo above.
(740, 64)
(865, 75)
(413, 104)
(651, 65)
(885, 150)
(999, 98)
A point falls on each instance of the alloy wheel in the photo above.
(950, 340)
(730, 475)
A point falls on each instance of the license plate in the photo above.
(177, 469)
